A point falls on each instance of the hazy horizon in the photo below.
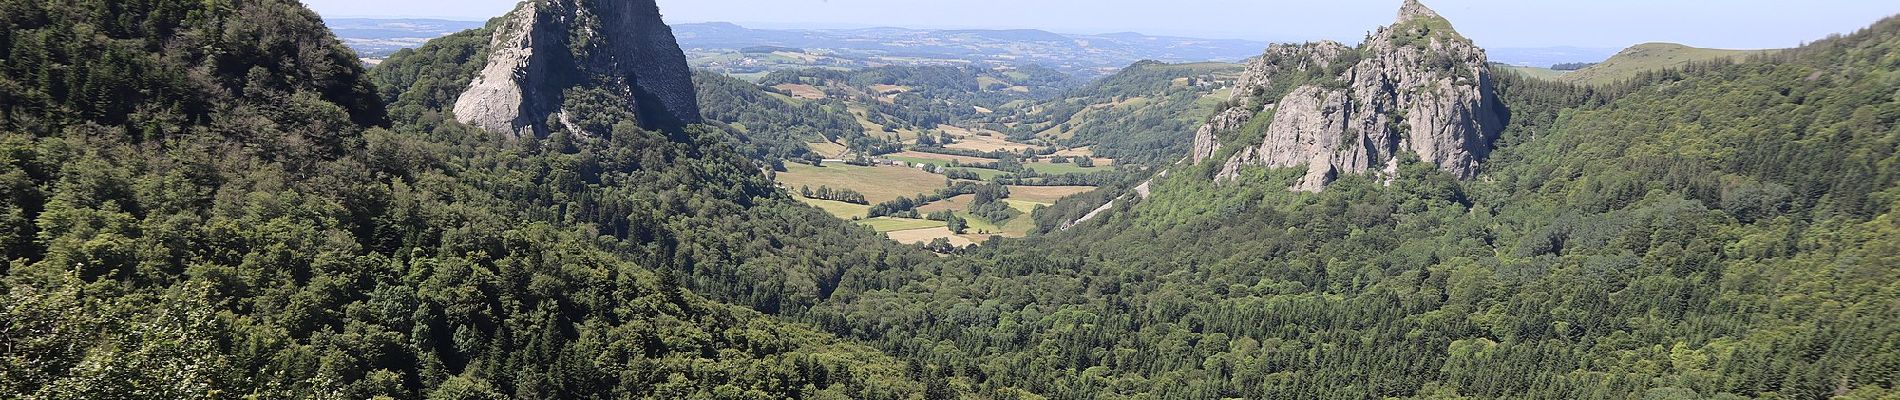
(1748, 24)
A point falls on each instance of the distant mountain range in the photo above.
(374, 38)
(1547, 56)
(747, 52)
(723, 47)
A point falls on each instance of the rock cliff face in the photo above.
(546, 47)
(1415, 88)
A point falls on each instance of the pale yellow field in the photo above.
(838, 208)
(968, 140)
(878, 184)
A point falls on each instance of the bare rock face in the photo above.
(1414, 88)
(546, 47)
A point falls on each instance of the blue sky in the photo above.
(1492, 23)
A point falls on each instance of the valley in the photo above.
(580, 200)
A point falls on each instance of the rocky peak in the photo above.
(1414, 9)
(1414, 88)
(545, 49)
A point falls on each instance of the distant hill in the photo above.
(1548, 56)
(743, 52)
(1648, 57)
(374, 38)
(717, 46)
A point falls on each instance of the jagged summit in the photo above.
(1414, 9)
(547, 50)
(1413, 88)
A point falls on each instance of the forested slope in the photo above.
(208, 200)
(1725, 231)
(196, 203)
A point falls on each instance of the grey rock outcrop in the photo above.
(1415, 87)
(545, 47)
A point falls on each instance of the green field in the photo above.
(889, 224)
(984, 173)
(1024, 205)
(1019, 226)
(1648, 57)
(978, 225)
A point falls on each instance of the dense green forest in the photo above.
(213, 199)
(231, 223)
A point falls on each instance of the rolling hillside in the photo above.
(1648, 57)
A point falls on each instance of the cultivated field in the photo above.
(884, 183)
(878, 184)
